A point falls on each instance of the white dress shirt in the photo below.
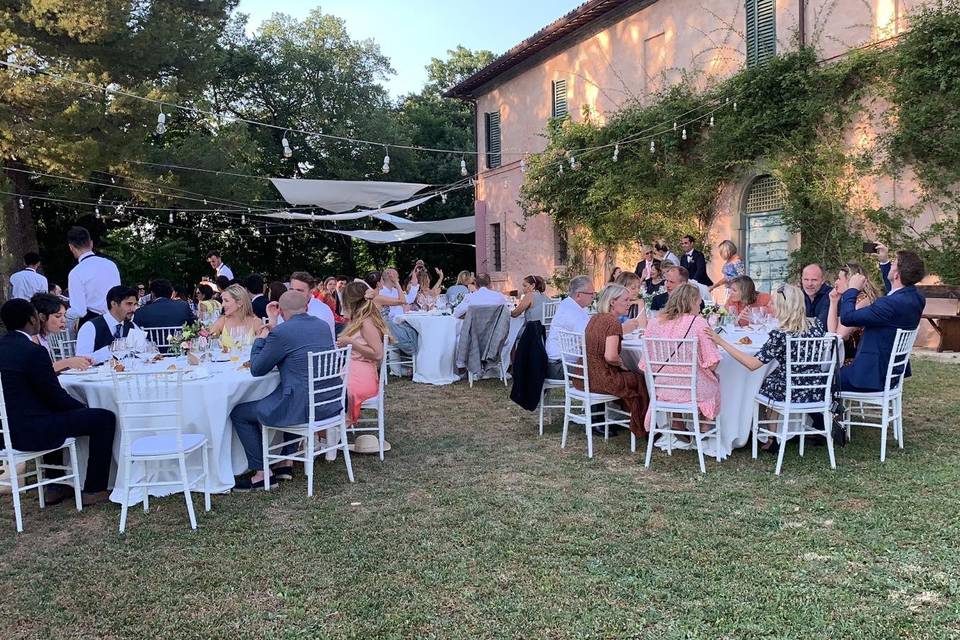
(88, 284)
(320, 310)
(481, 297)
(672, 257)
(396, 309)
(24, 284)
(86, 338)
(570, 316)
(224, 270)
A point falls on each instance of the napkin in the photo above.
(197, 374)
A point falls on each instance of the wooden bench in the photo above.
(943, 313)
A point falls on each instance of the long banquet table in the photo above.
(738, 386)
(207, 402)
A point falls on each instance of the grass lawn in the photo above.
(476, 528)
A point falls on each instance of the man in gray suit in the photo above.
(284, 346)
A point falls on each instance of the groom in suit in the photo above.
(901, 308)
(284, 346)
(40, 413)
(694, 261)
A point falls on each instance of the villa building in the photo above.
(606, 53)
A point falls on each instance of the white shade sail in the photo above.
(356, 215)
(467, 224)
(343, 195)
(379, 237)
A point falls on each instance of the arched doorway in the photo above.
(766, 237)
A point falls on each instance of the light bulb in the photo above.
(711, 121)
(112, 180)
(734, 105)
(683, 134)
(161, 123)
(573, 163)
(523, 165)
(560, 171)
(243, 219)
(463, 167)
(616, 152)
(20, 202)
(96, 212)
(443, 198)
(287, 151)
(386, 161)
(653, 146)
(171, 217)
(674, 126)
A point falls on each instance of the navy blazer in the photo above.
(259, 305)
(696, 265)
(819, 307)
(901, 309)
(286, 348)
(32, 393)
(163, 312)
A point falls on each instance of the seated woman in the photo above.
(868, 294)
(743, 297)
(635, 317)
(613, 274)
(531, 304)
(680, 319)
(53, 320)
(327, 294)
(791, 313)
(654, 285)
(419, 292)
(461, 289)
(364, 332)
(602, 338)
(238, 316)
(208, 307)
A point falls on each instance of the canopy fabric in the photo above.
(343, 195)
(356, 215)
(467, 224)
(379, 237)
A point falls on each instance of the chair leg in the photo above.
(828, 427)
(308, 461)
(698, 439)
(40, 488)
(803, 434)
(380, 433)
(76, 475)
(182, 461)
(567, 407)
(146, 490)
(346, 449)
(884, 420)
(782, 436)
(265, 445)
(205, 452)
(17, 508)
(543, 398)
(606, 420)
(588, 412)
(755, 427)
(898, 420)
(650, 436)
(124, 507)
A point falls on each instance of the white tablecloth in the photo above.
(437, 349)
(206, 403)
(738, 386)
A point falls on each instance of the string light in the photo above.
(96, 212)
(711, 121)
(674, 126)
(20, 202)
(683, 134)
(653, 146)
(573, 162)
(463, 167)
(287, 151)
(386, 160)
(523, 165)
(734, 105)
(560, 171)
(243, 219)
(443, 198)
(161, 122)
(170, 219)
(616, 152)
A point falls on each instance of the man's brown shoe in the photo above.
(56, 493)
(90, 499)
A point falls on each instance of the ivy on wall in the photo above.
(791, 115)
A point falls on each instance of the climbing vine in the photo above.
(789, 115)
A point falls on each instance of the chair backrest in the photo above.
(670, 364)
(899, 358)
(489, 343)
(328, 373)
(149, 403)
(549, 310)
(161, 336)
(383, 363)
(5, 431)
(573, 349)
(810, 365)
(62, 345)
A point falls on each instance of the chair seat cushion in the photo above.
(799, 407)
(302, 428)
(553, 382)
(875, 396)
(166, 444)
(29, 455)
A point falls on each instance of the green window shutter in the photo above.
(761, 30)
(559, 98)
(492, 121)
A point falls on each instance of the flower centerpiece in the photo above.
(715, 314)
(188, 338)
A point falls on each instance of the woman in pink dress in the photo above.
(679, 319)
(364, 332)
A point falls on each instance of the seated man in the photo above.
(484, 295)
(284, 346)
(673, 277)
(96, 336)
(41, 414)
(901, 308)
(161, 311)
(571, 316)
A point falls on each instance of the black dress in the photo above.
(775, 384)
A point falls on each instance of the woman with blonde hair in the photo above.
(868, 295)
(733, 266)
(238, 317)
(602, 338)
(462, 288)
(680, 319)
(364, 332)
(635, 318)
(791, 313)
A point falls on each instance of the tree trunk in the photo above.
(19, 235)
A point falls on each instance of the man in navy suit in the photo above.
(694, 261)
(901, 308)
(162, 311)
(284, 346)
(41, 414)
(254, 285)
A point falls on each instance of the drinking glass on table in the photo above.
(236, 346)
(119, 349)
(757, 318)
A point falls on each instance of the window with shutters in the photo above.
(559, 98)
(560, 245)
(761, 30)
(492, 124)
(496, 249)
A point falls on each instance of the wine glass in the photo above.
(119, 349)
(756, 318)
(236, 346)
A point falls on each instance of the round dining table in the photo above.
(738, 386)
(210, 392)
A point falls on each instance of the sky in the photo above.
(410, 32)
